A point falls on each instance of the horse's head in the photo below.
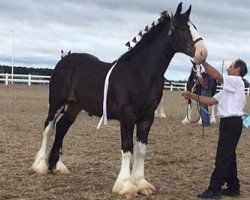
(63, 54)
(185, 37)
(191, 83)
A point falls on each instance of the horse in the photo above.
(63, 54)
(192, 86)
(135, 90)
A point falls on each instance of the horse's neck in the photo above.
(155, 57)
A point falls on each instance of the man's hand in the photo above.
(186, 94)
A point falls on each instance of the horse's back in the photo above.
(80, 77)
(79, 64)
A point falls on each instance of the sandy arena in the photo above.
(179, 159)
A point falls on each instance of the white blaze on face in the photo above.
(193, 31)
(200, 48)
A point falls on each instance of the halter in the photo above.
(188, 46)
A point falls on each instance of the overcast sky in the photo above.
(102, 27)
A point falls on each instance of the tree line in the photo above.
(25, 70)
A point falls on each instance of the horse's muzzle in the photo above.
(200, 52)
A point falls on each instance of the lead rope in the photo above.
(197, 105)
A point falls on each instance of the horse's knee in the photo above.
(127, 146)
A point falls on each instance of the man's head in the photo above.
(237, 68)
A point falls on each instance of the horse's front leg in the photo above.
(137, 178)
(123, 184)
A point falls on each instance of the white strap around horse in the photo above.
(105, 94)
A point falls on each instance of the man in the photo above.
(231, 101)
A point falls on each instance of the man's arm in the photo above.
(213, 72)
(202, 99)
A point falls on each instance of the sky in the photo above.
(40, 29)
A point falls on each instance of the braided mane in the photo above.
(146, 38)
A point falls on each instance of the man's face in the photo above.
(232, 70)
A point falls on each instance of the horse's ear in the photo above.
(61, 51)
(192, 62)
(69, 52)
(187, 13)
(178, 10)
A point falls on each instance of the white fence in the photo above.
(183, 87)
(23, 78)
(29, 79)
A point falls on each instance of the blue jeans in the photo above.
(204, 109)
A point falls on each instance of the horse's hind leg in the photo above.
(212, 117)
(137, 177)
(159, 112)
(40, 163)
(62, 127)
(188, 119)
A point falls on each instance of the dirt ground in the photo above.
(179, 159)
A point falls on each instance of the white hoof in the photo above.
(213, 121)
(40, 166)
(125, 188)
(143, 186)
(185, 121)
(161, 115)
(61, 168)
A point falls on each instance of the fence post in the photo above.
(29, 80)
(6, 79)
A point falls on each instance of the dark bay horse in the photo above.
(135, 89)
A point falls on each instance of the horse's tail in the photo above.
(60, 83)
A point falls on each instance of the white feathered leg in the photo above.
(188, 119)
(137, 177)
(159, 112)
(40, 164)
(123, 185)
(212, 117)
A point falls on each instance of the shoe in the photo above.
(230, 193)
(209, 194)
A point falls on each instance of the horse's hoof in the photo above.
(146, 191)
(60, 167)
(145, 187)
(40, 167)
(129, 191)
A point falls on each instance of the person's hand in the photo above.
(186, 95)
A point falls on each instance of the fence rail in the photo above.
(24, 78)
(31, 79)
(183, 87)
